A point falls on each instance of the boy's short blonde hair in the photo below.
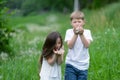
(77, 15)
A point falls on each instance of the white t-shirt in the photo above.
(49, 72)
(78, 56)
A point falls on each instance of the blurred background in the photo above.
(27, 7)
(24, 25)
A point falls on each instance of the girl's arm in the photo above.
(52, 59)
(60, 59)
(60, 56)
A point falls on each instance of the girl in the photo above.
(52, 57)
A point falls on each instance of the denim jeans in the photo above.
(72, 73)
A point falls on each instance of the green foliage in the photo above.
(31, 6)
(28, 6)
(5, 31)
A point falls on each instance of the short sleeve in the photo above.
(88, 35)
(68, 35)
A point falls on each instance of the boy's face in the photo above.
(77, 23)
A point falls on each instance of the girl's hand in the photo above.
(59, 52)
(55, 51)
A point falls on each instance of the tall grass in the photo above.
(105, 50)
(32, 30)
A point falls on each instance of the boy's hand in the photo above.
(81, 30)
(76, 30)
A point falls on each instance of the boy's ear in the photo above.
(83, 22)
(71, 23)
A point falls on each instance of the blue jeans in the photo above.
(72, 73)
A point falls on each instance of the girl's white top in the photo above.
(78, 56)
(49, 72)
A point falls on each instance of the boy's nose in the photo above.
(77, 24)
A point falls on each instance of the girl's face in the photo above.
(77, 23)
(58, 44)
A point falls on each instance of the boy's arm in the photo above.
(71, 42)
(85, 41)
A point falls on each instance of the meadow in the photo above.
(31, 32)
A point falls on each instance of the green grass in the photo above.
(32, 30)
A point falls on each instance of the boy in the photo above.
(78, 40)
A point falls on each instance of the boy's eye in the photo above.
(74, 22)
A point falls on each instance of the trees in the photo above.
(28, 6)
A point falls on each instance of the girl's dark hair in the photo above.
(49, 44)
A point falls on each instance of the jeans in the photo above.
(72, 73)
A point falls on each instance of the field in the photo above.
(31, 32)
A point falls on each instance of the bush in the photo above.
(5, 30)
